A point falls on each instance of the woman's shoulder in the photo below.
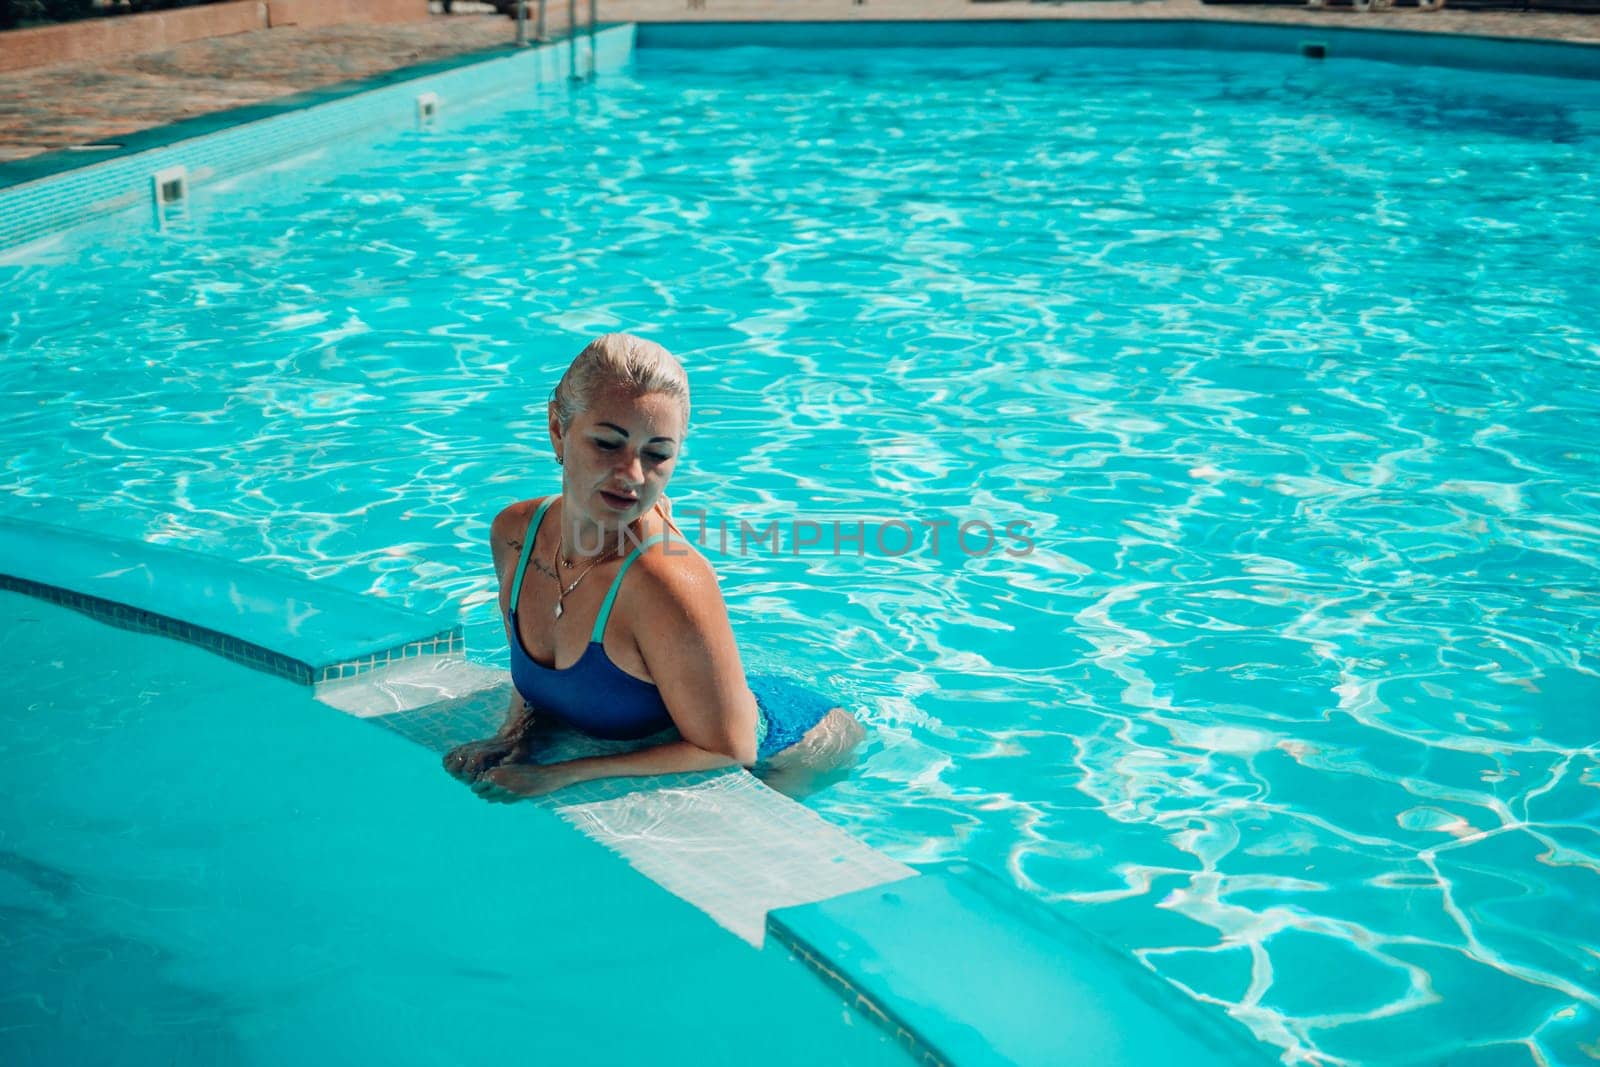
(512, 522)
(673, 571)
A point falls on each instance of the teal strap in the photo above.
(527, 550)
(616, 583)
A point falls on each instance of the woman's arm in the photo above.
(689, 648)
(515, 781)
(506, 535)
(687, 644)
(511, 741)
(519, 719)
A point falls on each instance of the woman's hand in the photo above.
(511, 782)
(468, 762)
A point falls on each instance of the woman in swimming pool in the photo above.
(616, 626)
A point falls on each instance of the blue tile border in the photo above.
(913, 1043)
(125, 617)
(1564, 59)
(44, 196)
(245, 653)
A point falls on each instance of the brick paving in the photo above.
(82, 103)
(86, 102)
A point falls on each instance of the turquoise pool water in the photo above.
(1286, 366)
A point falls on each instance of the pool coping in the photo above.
(63, 160)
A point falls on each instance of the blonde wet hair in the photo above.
(619, 359)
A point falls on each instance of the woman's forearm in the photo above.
(517, 716)
(674, 757)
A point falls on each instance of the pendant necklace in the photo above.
(561, 594)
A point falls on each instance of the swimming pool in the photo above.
(1285, 366)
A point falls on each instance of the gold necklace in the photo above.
(561, 594)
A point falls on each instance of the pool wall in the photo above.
(45, 195)
(1562, 59)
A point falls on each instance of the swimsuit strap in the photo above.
(527, 551)
(616, 584)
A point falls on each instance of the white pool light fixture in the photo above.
(427, 109)
(170, 189)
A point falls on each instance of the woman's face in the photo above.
(619, 453)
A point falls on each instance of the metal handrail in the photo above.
(522, 24)
(572, 37)
(572, 31)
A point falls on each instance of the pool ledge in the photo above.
(966, 970)
(308, 632)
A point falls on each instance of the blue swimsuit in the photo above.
(599, 698)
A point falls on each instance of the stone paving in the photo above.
(86, 102)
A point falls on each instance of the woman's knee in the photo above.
(825, 745)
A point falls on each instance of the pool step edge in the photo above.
(966, 970)
(300, 630)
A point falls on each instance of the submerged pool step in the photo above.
(308, 632)
(968, 971)
(722, 840)
(735, 848)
